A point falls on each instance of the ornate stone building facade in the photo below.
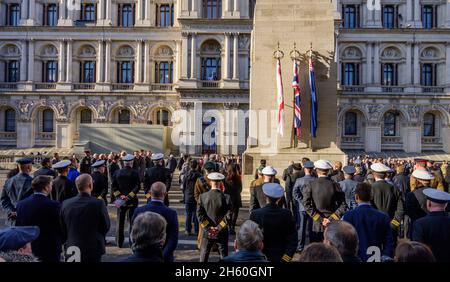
(130, 62)
(394, 75)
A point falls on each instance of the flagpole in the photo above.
(310, 103)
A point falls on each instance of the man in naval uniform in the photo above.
(62, 188)
(157, 173)
(348, 186)
(100, 181)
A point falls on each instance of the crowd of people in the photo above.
(370, 210)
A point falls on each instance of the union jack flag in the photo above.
(297, 102)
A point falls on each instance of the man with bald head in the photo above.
(84, 222)
(156, 204)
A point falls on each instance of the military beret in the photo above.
(14, 238)
(209, 166)
(62, 164)
(99, 163)
(273, 190)
(24, 161)
(323, 164)
(422, 174)
(215, 176)
(268, 170)
(379, 167)
(157, 156)
(349, 169)
(437, 196)
(308, 164)
(128, 158)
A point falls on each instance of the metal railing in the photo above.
(45, 86)
(84, 86)
(393, 89)
(122, 86)
(210, 84)
(8, 85)
(162, 87)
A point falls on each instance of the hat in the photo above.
(98, 163)
(308, 164)
(215, 176)
(209, 166)
(357, 161)
(14, 238)
(24, 161)
(323, 164)
(273, 190)
(260, 168)
(62, 164)
(422, 174)
(268, 170)
(349, 169)
(128, 158)
(437, 196)
(157, 156)
(379, 167)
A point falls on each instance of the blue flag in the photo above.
(312, 84)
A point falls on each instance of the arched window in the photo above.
(47, 120)
(351, 124)
(212, 9)
(85, 116)
(162, 117)
(390, 124)
(10, 120)
(124, 117)
(210, 58)
(429, 125)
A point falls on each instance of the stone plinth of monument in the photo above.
(293, 25)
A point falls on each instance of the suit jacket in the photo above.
(373, 228)
(434, 231)
(150, 254)
(171, 218)
(39, 210)
(155, 174)
(297, 191)
(62, 189)
(16, 188)
(84, 223)
(280, 233)
(323, 198)
(212, 211)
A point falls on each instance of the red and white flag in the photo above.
(280, 99)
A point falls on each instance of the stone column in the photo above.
(408, 68)
(108, 62)
(236, 57)
(100, 64)
(25, 133)
(184, 54)
(195, 12)
(61, 77)
(62, 10)
(369, 63)
(24, 11)
(100, 13)
(147, 62)
(31, 12)
(193, 56)
(237, 9)
(226, 59)
(139, 10)
(23, 60)
(416, 67)
(447, 23)
(417, 15)
(108, 14)
(69, 61)
(376, 63)
(409, 11)
(148, 13)
(31, 61)
(176, 62)
(447, 65)
(138, 64)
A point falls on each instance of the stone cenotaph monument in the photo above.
(297, 29)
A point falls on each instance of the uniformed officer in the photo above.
(277, 224)
(125, 188)
(257, 197)
(46, 168)
(434, 229)
(157, 173)
(324, 200)
(386, 198)
(86, 162)
(304, 222)
(17, 188)
(348, 186)
(113, 166)
(212, 211)
(62, 188)
(100, 181)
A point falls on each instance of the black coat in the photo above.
(39, 210)
(258, 199)
(156, 174)
(401, 182)
(126, 182)
(280, 234)
(189, 186)
(85, 223)
(85, 165)
(212, 210)
(388, 199)
(44, 171)
(16, 188)
(434, 231)
(416, 204)
(100, 182)
(62, 189)
(234, 189)
(323, 198)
